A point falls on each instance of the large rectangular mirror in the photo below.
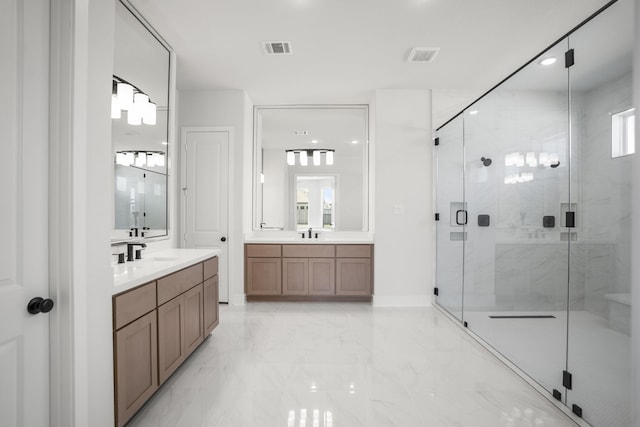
(140, 119)
(311, 168)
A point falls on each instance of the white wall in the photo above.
(404, 223)
(231, 108)
(635, 248)
(80, 214)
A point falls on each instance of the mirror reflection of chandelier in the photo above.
(140, 158)
(304, 154)
(127, 97)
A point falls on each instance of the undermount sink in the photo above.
(164, 258)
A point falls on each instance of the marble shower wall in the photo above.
(605, 191)
(516, 263)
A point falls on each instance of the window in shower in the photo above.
(623, 133)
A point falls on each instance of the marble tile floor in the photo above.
(344, 364)
(599, 358)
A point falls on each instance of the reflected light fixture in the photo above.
(547, 61)
(304, 154)
(141, 158)
(126, 96)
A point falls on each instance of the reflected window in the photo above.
(315, 201)
(623, 135)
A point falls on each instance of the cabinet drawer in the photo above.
(353, 251)
(131, 305)
(210, 267)
(308, 251)
(174, 284)
(263, 251)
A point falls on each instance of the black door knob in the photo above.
(40, 305)
(223, 239)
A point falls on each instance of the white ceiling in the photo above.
(345, 49)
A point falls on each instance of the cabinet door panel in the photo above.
(353, 277)
(193, 319)
(353, 251)
(211, 319)
(135, 303)
(308, 251)
(210, 267)
(136, 349)
(295, 276)
(264, 276)
(263, 251)
(170, 337)
(322, 276)
(174, 284)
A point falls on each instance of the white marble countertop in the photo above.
(156, 265)
(292, 237)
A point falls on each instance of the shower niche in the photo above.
(533, 241)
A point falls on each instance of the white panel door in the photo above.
(206, 195)
(24, 129)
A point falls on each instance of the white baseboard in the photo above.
(237, 299)
(402, 300)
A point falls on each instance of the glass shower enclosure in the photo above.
(534, 212)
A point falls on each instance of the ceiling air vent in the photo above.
(277, 48)
(423, 54)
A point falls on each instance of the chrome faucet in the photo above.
(310, 230)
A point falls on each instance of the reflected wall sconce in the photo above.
(128, 97)
(141, 158)
(304, 154)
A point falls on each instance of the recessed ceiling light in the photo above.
(354, 141)
(314, 141)
(473, 112)
(548, 61)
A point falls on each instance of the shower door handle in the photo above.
(464, 217)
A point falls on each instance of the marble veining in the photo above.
(343, 364)
(156, 265)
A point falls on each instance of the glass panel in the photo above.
(315, 202)
(600, 267)
(450, 206)
(516, 177)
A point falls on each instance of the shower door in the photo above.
(602, 145)
(450, 225)
(516, 185)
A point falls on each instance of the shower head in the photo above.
(486, 161)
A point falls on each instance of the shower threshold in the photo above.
(526, 316)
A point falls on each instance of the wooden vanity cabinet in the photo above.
(180, 319)
(210, 289)
(263, 270)
(353, 270)
(309, 271)
(136, 350)
(156, 327)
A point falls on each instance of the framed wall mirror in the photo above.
(140, 127)
(311, 168)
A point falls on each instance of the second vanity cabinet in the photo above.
(308, 271)
(156, 327)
